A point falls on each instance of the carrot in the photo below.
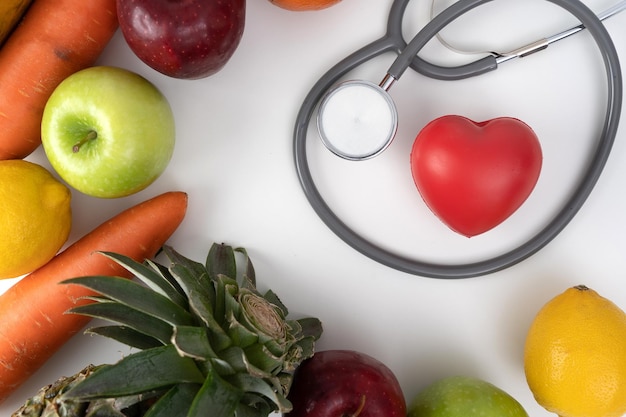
(33, 323)
(55, 39)
(11, 12)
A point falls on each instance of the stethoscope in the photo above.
(337, 103)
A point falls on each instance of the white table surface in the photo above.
(234, 158)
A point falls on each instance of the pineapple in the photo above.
(207, 343)
(49, 402)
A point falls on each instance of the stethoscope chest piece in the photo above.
(357, 120)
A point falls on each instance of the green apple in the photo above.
(461, 396)
(108, 132)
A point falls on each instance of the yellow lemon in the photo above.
(575, 355)
(35, 219)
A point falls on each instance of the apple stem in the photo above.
(361, 407)
(92, 134)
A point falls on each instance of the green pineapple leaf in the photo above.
(167, 275)
(251, 384)
(137, 297)
(216, 395)
(125, 335)
(146, 370)
(192, 268)
(192, 342)
(193, 278)
(175, 402)
(240, 334)
(248, 276)
(311, 326)
(260, 357)
(237, 358)
(154, 276)
(221, 261)
(119, 313)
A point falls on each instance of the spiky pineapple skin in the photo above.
(47, 403)
(51, 402)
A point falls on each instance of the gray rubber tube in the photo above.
(393, 41)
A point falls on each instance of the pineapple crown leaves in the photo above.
(207, 339)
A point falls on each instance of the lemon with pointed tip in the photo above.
(575, 355)
(35, 219)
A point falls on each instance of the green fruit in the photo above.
(461, 396)
(108, 132)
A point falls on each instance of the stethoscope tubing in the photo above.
(392, 41)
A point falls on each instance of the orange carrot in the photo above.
(33, 323)
(55, 39)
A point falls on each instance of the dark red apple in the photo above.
(345, 383)
(186, 39)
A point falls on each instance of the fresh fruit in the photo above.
(108, 132)
(575, 355)
(304, 5)
(55, 39)
(11, 11)
(337, 383)
(473, 176)
(209, 343)
(186, 39)
(33, 311)
(462, 396)
(35, 219)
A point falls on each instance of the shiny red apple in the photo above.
(340, 383)
(186, 39)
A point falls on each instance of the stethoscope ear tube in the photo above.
(393, 41)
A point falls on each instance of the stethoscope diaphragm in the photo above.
(357, 120)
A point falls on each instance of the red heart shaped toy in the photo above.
(473, 175)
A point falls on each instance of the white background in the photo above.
(234, 158)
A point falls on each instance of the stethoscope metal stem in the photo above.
(542, 44)
(387, 82)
